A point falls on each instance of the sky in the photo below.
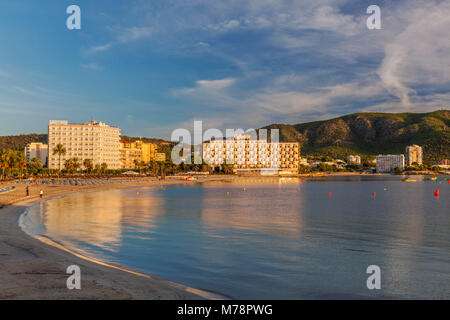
(151, 67)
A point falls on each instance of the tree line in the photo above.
(13, 164)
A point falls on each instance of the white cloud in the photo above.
(101, 48)
(134, 33)
(122, 36)
(276, 101)
(216, 84)
(206, 87)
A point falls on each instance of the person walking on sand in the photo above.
(41, 193)
(27, 189)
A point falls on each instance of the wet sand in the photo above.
(31, 269)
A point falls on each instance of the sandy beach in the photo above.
(31, 269)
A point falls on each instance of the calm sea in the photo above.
(267, 238)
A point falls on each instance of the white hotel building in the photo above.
(388, 162)
(91, 140)
(37, 150)
(253, 156)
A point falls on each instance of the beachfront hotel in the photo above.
(414, 154)
(92, 140)
(252, 156)
(37, 150)
(139, 152)
(388, 162)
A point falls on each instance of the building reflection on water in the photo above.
(97, 218)
(253, 205)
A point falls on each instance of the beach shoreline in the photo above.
(36, 269)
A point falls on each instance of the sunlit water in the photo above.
(282, 239)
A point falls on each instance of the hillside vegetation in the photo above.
(369, 134)
(18, 143)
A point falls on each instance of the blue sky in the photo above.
(150, 67)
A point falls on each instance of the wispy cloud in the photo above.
(123, 36)
(134, 33)
(91, 66)
(100, 48)
(22, 90)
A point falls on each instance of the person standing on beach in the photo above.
(27, 189)
(41, 193)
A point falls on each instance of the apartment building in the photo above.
(37, 150)
(90, 140)
(250, 155)
(138, 151)
(388, 162)
(414, 153)
(130, 153)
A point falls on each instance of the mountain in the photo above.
(369, 134)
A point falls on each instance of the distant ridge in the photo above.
(373, 133)
(19, 142)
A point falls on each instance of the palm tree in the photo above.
(68, 165)
(104, 166)
(12, 163)
(35, 164)
(87, 163)
(139, 165)
(76, 164)
(153, 167)
(22, 163)
(60, 150)
(4, 161)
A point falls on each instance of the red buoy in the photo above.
(436, 193)
(374, 193)
(329, 193)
